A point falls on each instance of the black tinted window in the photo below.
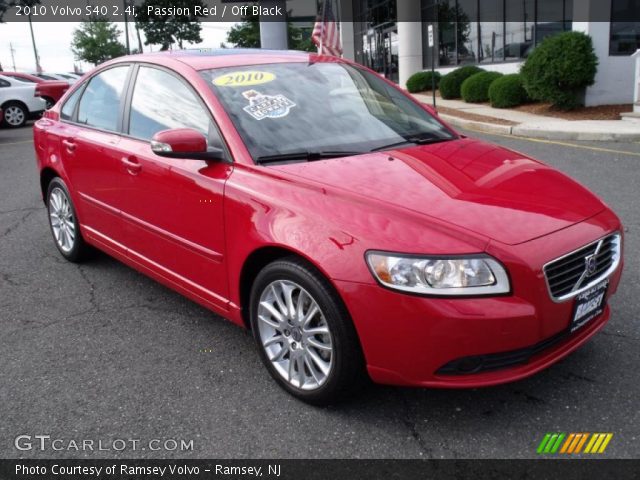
(100, 103)
(70, 105)
(4, 83)
(160, 102)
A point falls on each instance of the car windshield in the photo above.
(314, 108)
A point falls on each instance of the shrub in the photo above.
(507, 92)
(421, 81)
(560, 69)
(475, 89)
(450, 84)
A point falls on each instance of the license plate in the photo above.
(589, 304)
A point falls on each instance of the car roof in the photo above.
(208, 58)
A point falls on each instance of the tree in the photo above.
(165, 30)
(247, 35)
(96, 41)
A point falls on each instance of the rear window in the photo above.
(100, 103)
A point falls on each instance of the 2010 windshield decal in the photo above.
(267, 106)
(244, 79)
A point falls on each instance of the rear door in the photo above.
(174, 212)
(89, 133)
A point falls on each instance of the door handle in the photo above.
(132, 165)
(70, 144)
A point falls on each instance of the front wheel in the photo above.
(304, 334)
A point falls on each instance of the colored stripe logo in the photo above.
(573, 443)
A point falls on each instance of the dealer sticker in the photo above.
(244, 79)
(267, 106)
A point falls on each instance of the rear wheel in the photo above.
(14, 114)
(304, 334)
(63, 222)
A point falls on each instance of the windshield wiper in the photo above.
(309, 156)
(413, 141)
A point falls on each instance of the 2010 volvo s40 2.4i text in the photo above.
(314, 202)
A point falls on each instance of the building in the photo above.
(494, 34)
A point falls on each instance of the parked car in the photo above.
(51, 91)
(312, 201)
(19, 102)
(45, 76)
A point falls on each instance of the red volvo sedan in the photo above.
(344, 223)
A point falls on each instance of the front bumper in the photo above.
(408, 340)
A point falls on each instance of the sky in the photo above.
(53, 40)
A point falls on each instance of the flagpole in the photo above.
(339, 26)
(324, 20)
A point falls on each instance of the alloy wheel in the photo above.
(295, 335)
(61, 219)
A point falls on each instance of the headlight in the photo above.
(453, 276)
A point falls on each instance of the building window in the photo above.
(376, 36)
(625, 36)
(491, 31)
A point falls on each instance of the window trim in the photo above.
(129, 97)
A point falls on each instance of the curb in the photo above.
(478, 126)
(523, 130)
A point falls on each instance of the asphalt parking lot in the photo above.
(101, 352)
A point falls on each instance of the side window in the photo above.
(100, 103)
(161, 101)
(4, 83)
(70, 105)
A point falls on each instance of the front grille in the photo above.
(580, 270)
(498, 361)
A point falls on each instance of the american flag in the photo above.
(326, 32)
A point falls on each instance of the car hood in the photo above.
(490, 190)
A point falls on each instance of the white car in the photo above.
(18, 102)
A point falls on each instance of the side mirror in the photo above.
(184, 143)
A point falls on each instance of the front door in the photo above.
(173, 216)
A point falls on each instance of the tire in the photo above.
(14, 114)
(316, 367)
(49, 102)
(63, 223)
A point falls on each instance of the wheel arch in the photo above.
(260, 258)
(46, 175)
(19, 102)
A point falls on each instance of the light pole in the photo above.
(35, 49)
(126, 26)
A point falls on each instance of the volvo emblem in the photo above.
(590, 264)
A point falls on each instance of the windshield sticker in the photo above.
(243, 79)
(267, 106)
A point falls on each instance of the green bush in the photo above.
(421, 81)
(450, 84)
(560, 69)
(475, 89)
(507, 92)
